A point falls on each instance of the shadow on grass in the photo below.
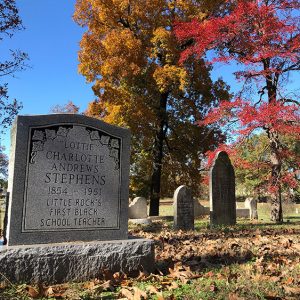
(206, 263)
(294, 218)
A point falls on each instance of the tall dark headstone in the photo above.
(222, 191)
(183, 205)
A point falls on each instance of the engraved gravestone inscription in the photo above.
(222, 191)
(75, 180)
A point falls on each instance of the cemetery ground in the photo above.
(252, 260)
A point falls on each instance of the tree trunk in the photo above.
(158, 156)
(276, 205)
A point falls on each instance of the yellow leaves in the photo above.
(164, 46)
(170, 77)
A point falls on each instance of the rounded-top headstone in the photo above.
(251, 203)
(222, 191)
(138, 208)
(183, 205)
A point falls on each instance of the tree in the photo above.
(130, 53)
(3, 164)
(9, 23)
(69, 108)
(263, 37)
(252, 164)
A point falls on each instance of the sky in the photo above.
(51, 39)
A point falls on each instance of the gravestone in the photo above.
(68, 182)
(251, 204)
(138, 208)
(199, 209)
(222, 191)
(243, 213)
(183, 206)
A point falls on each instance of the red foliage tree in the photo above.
(263, 37)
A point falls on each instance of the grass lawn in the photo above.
(252, 260)
(289, 210)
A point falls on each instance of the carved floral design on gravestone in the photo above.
(50, 134)
(41, 136)
(95, 135)
(111, 143)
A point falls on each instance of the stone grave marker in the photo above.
(138, 208)
(251, 204)
(183, 206)
(199, 209)
(68, 182)
(222, 191)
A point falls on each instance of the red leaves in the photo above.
(253, 29)
(248, 117)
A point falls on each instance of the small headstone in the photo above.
(199, 209)
(138, 208)
(145, 221)
(183, 205)
(243, 213)
(251, 203)
(222, 191)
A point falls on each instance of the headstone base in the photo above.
(243, 213)
(144, 221)
(80, 261)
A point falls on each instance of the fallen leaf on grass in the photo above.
(126, 293)
(213, 287)
(48, 292)
(139, 294)
(233, 296)
(173, 286)
(55, 291)
(89, 285)
(152, 289)
(32, 292)
(3, 284)
(292, 290)
(183, 273)
(289, 280)
(107, 285)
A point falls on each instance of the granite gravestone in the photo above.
(183, 205)
(222, 191)
(138, 208)
(68, 187)
(68, 180)
(251, 204)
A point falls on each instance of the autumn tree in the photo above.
(131, 55)
(263, 38)
(68, 108)
(9, 23)
(252, 166)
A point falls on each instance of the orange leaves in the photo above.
(182, 273)
(122, 54)
(55, 291)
